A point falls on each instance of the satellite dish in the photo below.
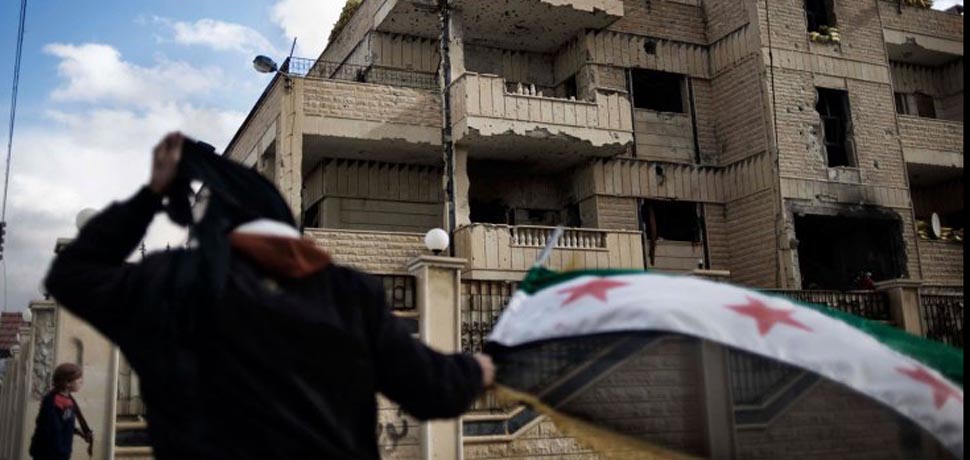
(84, 216)
(935, 227)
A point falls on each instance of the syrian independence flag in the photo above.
(622, 360)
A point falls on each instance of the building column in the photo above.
(718, 402)
(438, 283)
(462, 184)
(288, 169)
(904, 303)
(456, 44)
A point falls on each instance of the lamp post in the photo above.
(436, 240)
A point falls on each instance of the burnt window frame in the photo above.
(819, 13)
(835, 115)
(640, 82)
(667, 216)
(916, 104)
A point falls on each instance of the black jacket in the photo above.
(272, 368)
(53, 436)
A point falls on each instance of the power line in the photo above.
(13, 117)
(13, 104)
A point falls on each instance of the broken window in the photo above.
(833, 251)
(833, 108)
(658, 91)
(671, 221)
(819, 13)
(916, 104)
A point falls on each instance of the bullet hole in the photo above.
(650, 47)
(875, 164)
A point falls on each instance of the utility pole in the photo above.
(448, 147)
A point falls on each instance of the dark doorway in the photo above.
(834, 251)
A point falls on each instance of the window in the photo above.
(671, 220)
(658, 91)
(570, 88)
(819, 13)
(916, 104)
(924, 105)
(833, 109)
(902, 104)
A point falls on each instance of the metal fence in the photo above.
(753, 378)
(482, 302)
(314, 69)
(400, 292)
(943, 317)
(867, 304)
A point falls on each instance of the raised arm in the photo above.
(90, 276)
(426, 383)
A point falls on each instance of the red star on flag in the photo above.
(596, 288)
(766, 316)
(942, 392)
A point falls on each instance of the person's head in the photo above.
(67, 378)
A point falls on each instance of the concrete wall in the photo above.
(921, 21)
(831, 421)
(664, 136)
(929, 134)
(377, 103)
(674, 20)
(255, 136)
(372, 252)
(366, 195)
(941, 261)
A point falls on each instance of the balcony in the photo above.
(528, 25)
(934, 31)
(498, 125)
(367, 112)
(504, 252)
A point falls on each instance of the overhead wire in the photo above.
(13, 118)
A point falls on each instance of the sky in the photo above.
(101, 82)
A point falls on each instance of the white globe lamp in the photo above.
(436, 240)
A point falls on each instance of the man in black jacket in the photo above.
(250, 344)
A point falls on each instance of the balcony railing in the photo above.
(867, 304)
(504, 248)
(943, 317)
(314, 69)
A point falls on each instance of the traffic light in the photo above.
(3, 232)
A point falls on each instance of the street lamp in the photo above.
(264, 64)
(436, 240)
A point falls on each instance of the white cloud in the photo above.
(219, 35)
(308, 20)
(944, 4)
(90, 156)
(94, 72)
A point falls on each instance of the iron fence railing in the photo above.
(400, 292)
(943, 317)
(314, 69)
(482, 302)
(867, 304)
(753, 378)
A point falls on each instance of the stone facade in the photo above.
(547, 127)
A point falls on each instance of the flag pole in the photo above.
(550, 244)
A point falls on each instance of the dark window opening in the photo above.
(925, 107)
(671, 220)
(650, 47)
(570, 88)
(834, 251)
(833, 108)
(491, 212)
(311, 217)
(902, 104)
(819, 13)
(659, 91)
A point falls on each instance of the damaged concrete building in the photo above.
(785, 145)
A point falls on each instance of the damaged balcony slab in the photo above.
(497, 124)
(509, 24)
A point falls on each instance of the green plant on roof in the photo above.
(348, 12)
